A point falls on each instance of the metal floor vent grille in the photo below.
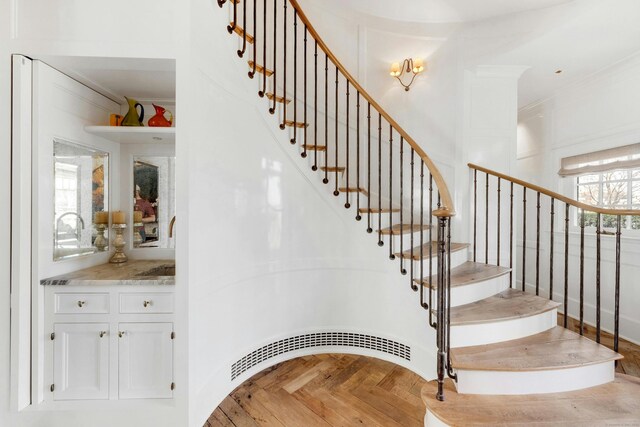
(319, 339)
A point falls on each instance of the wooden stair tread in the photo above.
(353, 190)
(261, 69)
(397, 229)
(314, 147)
(507, 305)
(375, 210)
(455, 247)
(556, 348)
(240, 31)
(280, 99)
(468, 273)
(614, 403)
(333, 168)
(291, 123)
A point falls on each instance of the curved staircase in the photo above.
(508, 361)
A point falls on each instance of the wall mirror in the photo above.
(153, 201)
(81, 200)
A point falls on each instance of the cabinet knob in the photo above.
(102, 333)
(146, 304)
(121, 334)
(81, 303)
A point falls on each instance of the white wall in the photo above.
(596, 113)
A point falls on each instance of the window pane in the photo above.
(636, 174)
(589, 194)
(615, 175)
(635, 193)
(635, 222)
(610, 221)
(584, 179)
(615, 194)
(590, 219)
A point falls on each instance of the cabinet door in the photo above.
(81, 361)
(145, 365)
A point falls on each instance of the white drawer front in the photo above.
(93, 303)
(146, 303)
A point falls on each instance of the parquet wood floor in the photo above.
(325, 390)
(346, 390)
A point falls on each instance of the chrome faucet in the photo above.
(79, 234)
(171, 224)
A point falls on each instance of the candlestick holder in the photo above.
(137, 237)
(118, 243)
(101, 242)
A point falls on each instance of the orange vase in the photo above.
(159, 120)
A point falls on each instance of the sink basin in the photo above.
(163, 270)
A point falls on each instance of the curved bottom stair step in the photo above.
(615, 403)
(556, 360)
(509, 315)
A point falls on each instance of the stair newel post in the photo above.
(598, 247)
(616, 315)
(566, 265)
(295, 77)
(284, 73)
(551, 244)
(380, 242)
(391, 255)
(538, 244)
(581, 271)
(272, 110)
(336, 142)
(358, 216)
(244, 30)
(347, 205)
(262, 92)
(315, 105)
(441, 326)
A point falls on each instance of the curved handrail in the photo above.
(557, 196)
(447, 207)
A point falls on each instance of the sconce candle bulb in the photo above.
(409, 66)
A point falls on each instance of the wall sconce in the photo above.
(409, 65)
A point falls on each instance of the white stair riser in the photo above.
(535, 382)
(430, 420)
(461, 295)
(493, 332)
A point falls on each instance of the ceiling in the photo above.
(144, 79)
(442, 11)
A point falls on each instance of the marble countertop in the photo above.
(140, 272)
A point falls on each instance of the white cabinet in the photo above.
(81, 361)
(109, 342)
(145, 360)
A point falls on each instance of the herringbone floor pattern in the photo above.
(325, 390)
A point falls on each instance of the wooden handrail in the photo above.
(555, 195)
(447, 208)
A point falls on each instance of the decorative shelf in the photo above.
(134, 135)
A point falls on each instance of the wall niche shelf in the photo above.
(134, 135)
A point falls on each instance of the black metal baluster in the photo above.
(551, 237)
(221, 2)
(295, 78)
(402, 269)
(380, 242)
(566, 265)
(335, 145)
(315, 105)
(369, 229)
(391, 256)
(538, 244)
(498, 225)
(430, 280)
(616, 315)
(511, 238)
(262, 92)
(326, 119)
(475, 213)
(598, 233)
(272, 110)
(252, 72)
(304, 82)
(422, 302)
(231, 27)
(358, 216)
(244, 30)
(524, 236)
(284, 74)
(413, 285)
(582, 272)
(486, 220)
(346, 168)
